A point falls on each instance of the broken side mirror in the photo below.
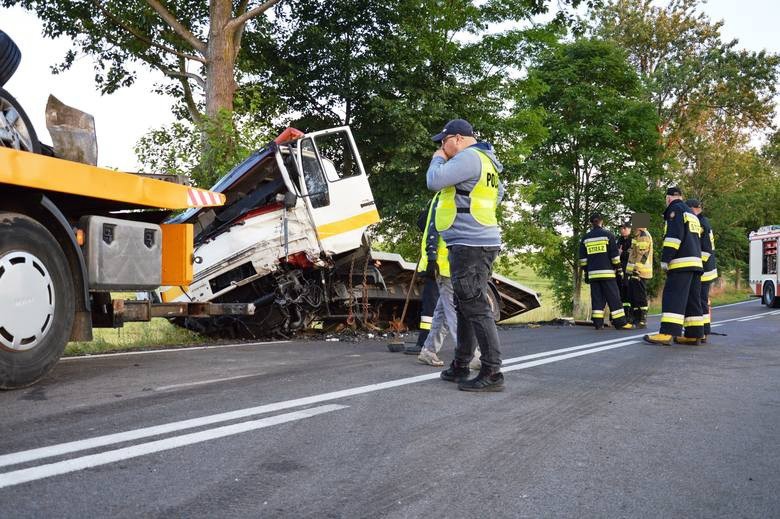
(289, 199)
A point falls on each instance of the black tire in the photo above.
(769, 297)
(23, 125)
(10, 56)
(23, 239)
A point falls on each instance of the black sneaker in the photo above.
(455, 374)
(413, 349)
(484, 382)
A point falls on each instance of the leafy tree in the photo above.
(194, 43)
(396, 72)
(689, 71)
(600, 153)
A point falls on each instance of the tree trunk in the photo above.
(220, 81)
(577, 295)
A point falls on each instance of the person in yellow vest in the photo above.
(426, 269)
(639, 269)
(445, 319)
(467, 173)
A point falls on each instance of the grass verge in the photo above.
(134, 336)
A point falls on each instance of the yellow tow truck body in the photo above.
(72, 233)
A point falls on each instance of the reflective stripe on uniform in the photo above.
(617, 314)
(584, 261)
(693, 320)
(710, 275)
(705, 255)
(674, 243)
(601, 274)
(669, 317)
(598, 313)
(596, 239)
(425, 322)
(687, 261)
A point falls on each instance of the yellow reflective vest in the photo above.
(640, 256)
(483, 198)
(442, 254)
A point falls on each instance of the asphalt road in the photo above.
(592, 424)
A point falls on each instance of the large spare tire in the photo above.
(10, 56)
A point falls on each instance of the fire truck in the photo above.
(763, 264)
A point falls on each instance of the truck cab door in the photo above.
(336, 188)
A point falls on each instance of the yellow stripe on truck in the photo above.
(25, 169)
(329, 230)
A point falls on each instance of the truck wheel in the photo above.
(16, 130)
(36, 301)
(10, 56)
(770, 298)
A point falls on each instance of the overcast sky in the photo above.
(123, 117)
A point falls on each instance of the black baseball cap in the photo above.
(692, 202)
(455, 127)
(626, 224)
(674, 191)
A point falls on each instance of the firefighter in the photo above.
(624, 246)
(639, 269)
(600, 260)
(426, 268)
(710, 273)
(681, 260)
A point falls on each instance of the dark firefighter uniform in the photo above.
(600, 260)
(639, 269)
(710, 273)
(681, 259)
(429, 250)
(624, 247)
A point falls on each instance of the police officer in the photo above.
(681, 260)
(639, 269)
(600, 260)
(467, 173)
(710, 273)
(426, 268)
(624, 248)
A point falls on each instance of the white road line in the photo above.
(735, 304)
(171, 350)
(719, 306)
(100, 441)
(145, 432)
(753, 318)
(202, 382)
(526, 365)
(63, 467)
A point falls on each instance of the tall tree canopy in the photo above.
(396, 71)
(714, 101)
(600, 153)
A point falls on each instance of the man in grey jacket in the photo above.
(467, 173)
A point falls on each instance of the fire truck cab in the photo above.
(763, 264)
